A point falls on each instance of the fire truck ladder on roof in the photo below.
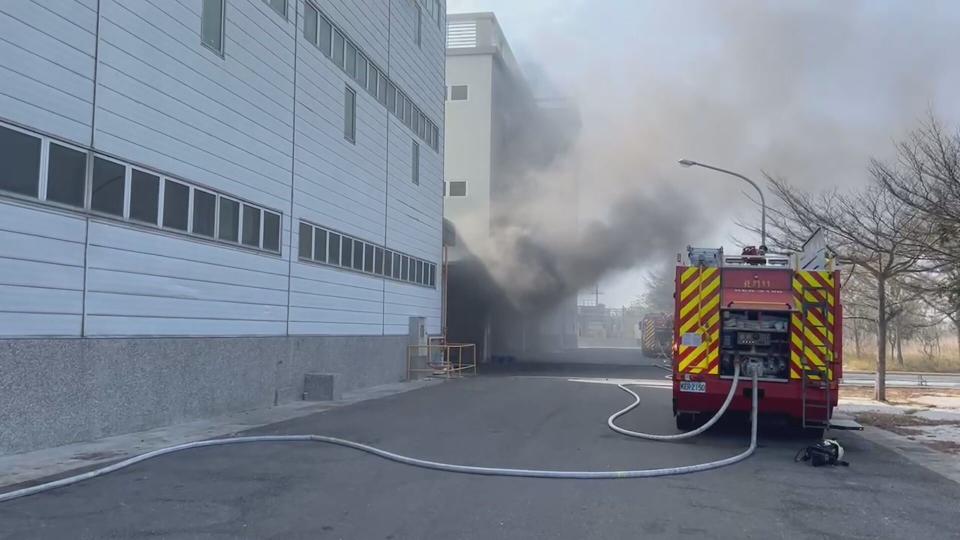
(816, 391)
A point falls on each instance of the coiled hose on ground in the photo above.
(416, 462)
(678, 436)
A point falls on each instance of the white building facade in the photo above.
(203, 200)
(494, 146)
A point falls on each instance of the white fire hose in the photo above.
(448, 467)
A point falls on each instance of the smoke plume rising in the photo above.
(804, 90)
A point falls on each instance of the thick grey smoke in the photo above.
(808, 91)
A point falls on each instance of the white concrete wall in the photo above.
(263, 123)
(467, 154)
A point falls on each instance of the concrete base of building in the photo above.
(60, 391)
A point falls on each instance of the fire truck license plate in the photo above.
(693, 386)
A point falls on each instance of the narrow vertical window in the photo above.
(144, 196)
(397, 264)
(211, 25)
(271, 231)
(66, 175)
(338, 48)
(346, 251)
(108, 187)
(310, 23)
(350, 115)
(388, 263)
(333, 248)
(381, 88)
(320, 245)
(176, 204)
(419, 25)
(415, 173)
(204, 213)
(361, 75)
(324, 35)
(378, 265)
(20, 155)
(229, 220)
(357, 255)
(251, 226)
(305, 241)
(350, 60)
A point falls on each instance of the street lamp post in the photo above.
(763, 203)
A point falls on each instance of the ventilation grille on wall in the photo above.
(462, 35)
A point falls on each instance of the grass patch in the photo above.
(911, 362)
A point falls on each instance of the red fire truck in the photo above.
(656, 335)
(761, 310)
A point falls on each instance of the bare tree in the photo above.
(658, 294)
(871, 229)
(926, 177)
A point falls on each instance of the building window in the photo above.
(310, 17)
(229, 226)
(372, 80)
(346, 251)
(333, 249)
(458, 188)
(20, 155)
(459, 92)
(144, 196)
(324, 36)
(108, 187)
(250, 226)
(357, 255)
(433, 275)
(368, 261)
(419, 35)
(415, 174)
(381, 88)
(320, 245)
(66, 175)
(347, 56)
(350, 114)
(397, 262)
(176, 205)
(350, 60)
(271, 231)
(338, 48)
(378, 265)
(280, 6)
(305, 241)
(211, 25)
(204, 213)
(388, 263)
(362, 68)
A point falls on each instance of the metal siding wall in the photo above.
(168, 103)
(41, 272)
(415, 212)
(145, 283)
(46, 72)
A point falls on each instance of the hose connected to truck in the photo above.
(435, 465)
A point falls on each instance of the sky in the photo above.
(805, 90)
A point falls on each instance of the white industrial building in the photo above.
(498, 133)
(201, 201)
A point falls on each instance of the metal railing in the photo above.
(441, 359)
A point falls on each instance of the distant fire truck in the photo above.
(656, 335)
(774, 312)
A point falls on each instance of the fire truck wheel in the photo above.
(686, 421)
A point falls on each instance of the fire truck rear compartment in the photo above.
(761, 338)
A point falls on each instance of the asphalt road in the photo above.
(530, 417)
